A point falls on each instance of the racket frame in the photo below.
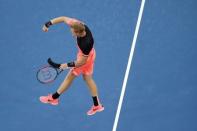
(58, 71)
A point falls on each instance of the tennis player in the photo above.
(84, 64)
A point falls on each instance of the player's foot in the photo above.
(95, 109)
(49, 99)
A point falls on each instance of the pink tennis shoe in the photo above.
(95, 109)
(48, 99)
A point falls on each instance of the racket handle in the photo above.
(53, 64)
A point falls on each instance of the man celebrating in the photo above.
(83, 65)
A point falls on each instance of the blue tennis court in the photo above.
(161, 88)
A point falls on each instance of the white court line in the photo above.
(128, 66)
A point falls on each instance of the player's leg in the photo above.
(97, 107)
(66, 83)
(53, 98)
(91, 84)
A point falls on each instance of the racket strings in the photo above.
(47, 74)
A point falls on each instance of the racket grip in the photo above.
(53, 64)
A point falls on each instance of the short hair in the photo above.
(78, 27)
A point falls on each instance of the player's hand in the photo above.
(64, 66)
(45, 29)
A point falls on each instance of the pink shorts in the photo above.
(88, 68)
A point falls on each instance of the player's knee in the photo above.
(87, 78)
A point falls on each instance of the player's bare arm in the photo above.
(62, 19)
(67, 20)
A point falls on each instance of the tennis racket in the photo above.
(48, 73)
